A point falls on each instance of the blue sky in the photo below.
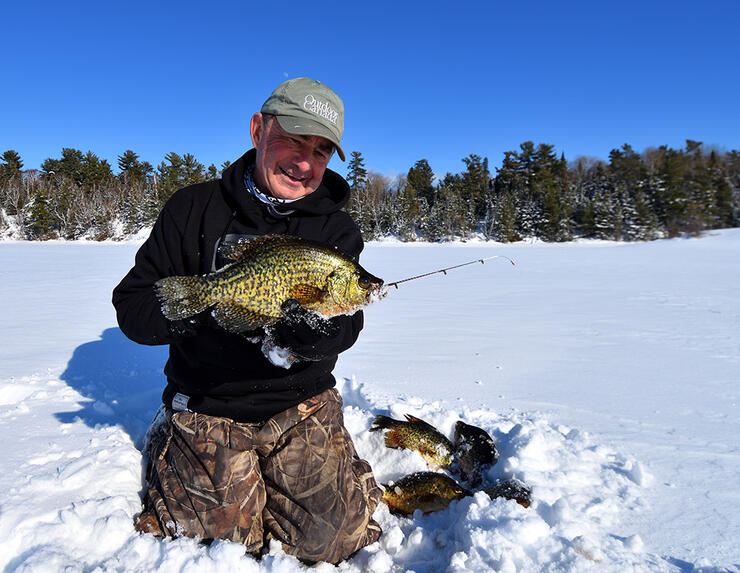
(433, 80)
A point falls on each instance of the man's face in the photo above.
(288, 166)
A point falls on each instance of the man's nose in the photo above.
(302, 157)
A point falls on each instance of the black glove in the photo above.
(190, 326)
(302, 331)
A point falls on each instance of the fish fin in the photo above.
(231, 251)
(182, 297)
(416, 420)
(427, 498)
(393, 440)
(306, 294)
(235, 249)
(236, 318)
(430, 502)
(381, 423)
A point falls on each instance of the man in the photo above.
(249, 450)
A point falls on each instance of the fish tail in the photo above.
(182, 297)
(381, 423)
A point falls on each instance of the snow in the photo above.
(607, 374)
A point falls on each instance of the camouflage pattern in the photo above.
(296, 478)
(268, 271)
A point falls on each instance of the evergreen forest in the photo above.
(534, 193)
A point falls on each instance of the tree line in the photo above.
(535, 193)
(77, 195)
(661, 192)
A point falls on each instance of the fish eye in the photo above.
(364, 281)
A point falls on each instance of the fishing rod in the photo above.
(444, 271)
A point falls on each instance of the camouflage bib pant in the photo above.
(296, 478)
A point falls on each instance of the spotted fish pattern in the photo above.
(266, 271)
(425, 491)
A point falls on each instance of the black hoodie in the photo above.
(223, 373)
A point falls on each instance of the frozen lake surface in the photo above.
(607, 373)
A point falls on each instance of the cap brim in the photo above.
(303, 126)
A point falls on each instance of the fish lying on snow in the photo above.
(510, 489)
(426, 491)
(475, 451)
(266, 272)
(416, 434)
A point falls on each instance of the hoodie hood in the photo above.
(331, 196)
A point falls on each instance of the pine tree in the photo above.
(626, 178)
(603, 208)
(356, 172)
(86, 170)
(723, 194)
(171, 176)
(69, 166)
(12, 166)
(356, 206)
(95, 171)
(421, 179)
(476, 183)
(587, 222)
(673, 198)
(502, 219)
(192, 170)
(457, 210)
(408, 214)
(595, 221)
(547, 192)
(133, 171)
(39, 223)
(643, 224)
(567, 202)
(376, 194)
(514, 178)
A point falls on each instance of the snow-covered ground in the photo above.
(607, 374)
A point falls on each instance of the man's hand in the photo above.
(188, 327)
(300, 330)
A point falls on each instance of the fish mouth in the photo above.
(376, 293)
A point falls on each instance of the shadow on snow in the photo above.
(122, 381)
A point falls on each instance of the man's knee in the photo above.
(324, 512)
(200, 487)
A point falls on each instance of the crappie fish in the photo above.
(415, 434)
(510, 489)
(267, 271)
(427, 491)
(475, 450)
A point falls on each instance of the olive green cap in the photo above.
(306, 107)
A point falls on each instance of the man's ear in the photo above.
(256, 129)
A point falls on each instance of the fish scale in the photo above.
(415, 434)
(425, 491)
(266, 272)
